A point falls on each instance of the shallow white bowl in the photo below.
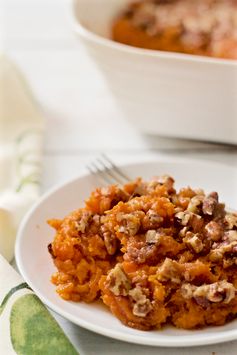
(36, 266)
(163, 93)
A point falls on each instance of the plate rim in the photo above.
(169, 341)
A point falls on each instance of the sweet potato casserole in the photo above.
(203, 27)
(154, 255)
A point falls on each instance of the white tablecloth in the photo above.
(73, 96)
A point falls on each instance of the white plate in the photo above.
(36, 265)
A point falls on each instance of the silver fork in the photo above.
(107, 171)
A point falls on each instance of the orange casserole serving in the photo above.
(203, 27)
(154, 255)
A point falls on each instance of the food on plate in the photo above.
(154, 255)
(203, 27)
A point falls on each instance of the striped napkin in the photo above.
(21, 133)
(26, 326)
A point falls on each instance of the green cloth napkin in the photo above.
(26, 326)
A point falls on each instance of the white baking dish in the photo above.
(163, 93)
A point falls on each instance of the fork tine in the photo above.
(118, 170)
(104, 169)
(110, 172)
(98, 173)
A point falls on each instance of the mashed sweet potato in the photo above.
(202, 27)
(154, 255)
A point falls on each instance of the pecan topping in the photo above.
(191, 219)
(144, 17)
(194, 241)
(221, 291)
(140, 190)
(83, 222)
(152, 220)
(130, 222)
(183, 231)
(228, 262)
(152, 236)
(183, 217)
(169, 270)
(205, 26)
(228, 245)
(105, 191)
(96, 219)
(111, 242)
(231, 220)
(209, 203)
(194, 204)
(142, 254)
(142, 304)
(118, 282)
(214, 231)
(166, 180)
(187, 290)
(231, 236)
(196, 222)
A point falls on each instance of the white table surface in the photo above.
(37, 35)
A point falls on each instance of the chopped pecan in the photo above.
(219, 212)
(194, 203)
(220, 291)
(96, 218)
(154, 217)
(209, 292)
(142, 304)
(145, 18)
(231, 220)
(118, 282)
(209, 203)
(105, 191)
(111, 242)
(141, 310)
(169, 270)
(152, 220)
(202, 301)
(228, 262)
(214, 231)
(187, 290)
(194, 241)
(177, 209)
(152, 236)
(166, 180)
(142, 254)
(227, 246)
(183, 231)
(141, 279)
(83, 222)
(191, 219)
(231, 236)
(196, 223)
(140, 190)
(186, 192)
(183, 217)
(137, 294)
(130, 222)
(229, 290)
(199, 192)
